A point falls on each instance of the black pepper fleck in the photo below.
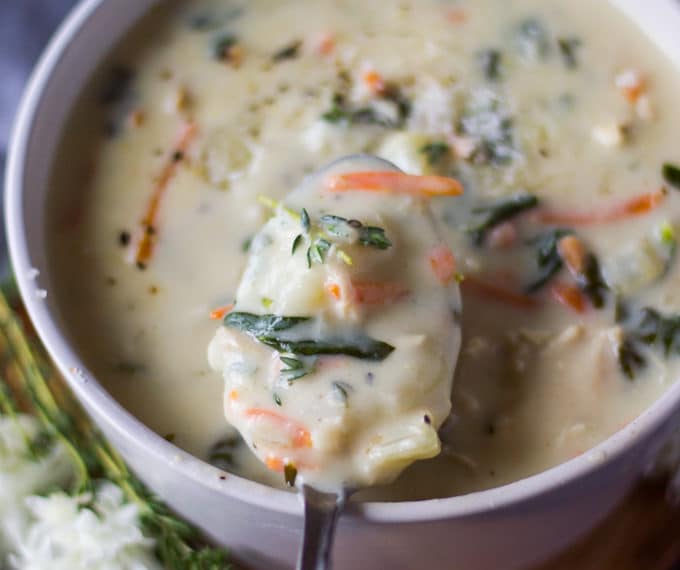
(124, 238)
(427, 419)
(141, 265)
(178, 156)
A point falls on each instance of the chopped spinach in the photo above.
(359, 346)
(630, 358)
(548, 258)
(671, 174)
(221, 454)
(490, 62)
(290, 51)
(489, 124)
(435, 152)
(267, 328)
(494, 214)
(568, 48)
(261, 325)
(592, 283)
(221, 44)
(533, 39)
(651, 328)
(343, 113)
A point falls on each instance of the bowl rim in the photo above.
(96, 398)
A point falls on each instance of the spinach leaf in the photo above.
(291, 51)
(360, 346)
(548, 258)
(630, 358)
(651, 328)
(533, 39)
(261, 325)
(490, 62)
(435, 152)
(264, 328)
(221, 454)
(568, 48)
(592, 282)
(494, 214)
(342, 113)
(671, 174)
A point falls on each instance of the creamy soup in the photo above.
(565, 139)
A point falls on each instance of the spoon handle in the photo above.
(321, 517)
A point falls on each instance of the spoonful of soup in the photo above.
(339, 352)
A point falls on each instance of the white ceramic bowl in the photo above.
(504, 528)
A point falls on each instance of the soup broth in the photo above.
(564, 239)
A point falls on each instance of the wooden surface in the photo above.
(642, 534)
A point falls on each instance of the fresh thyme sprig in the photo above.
(30, 379)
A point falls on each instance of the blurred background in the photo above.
(25, 28)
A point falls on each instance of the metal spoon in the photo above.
(322, 509)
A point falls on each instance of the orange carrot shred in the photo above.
(573, 253)
(456, 15)
(443, 264)
(374, 81)
(301, 437)
(491, 291)
(326, 44)
(376, 293)
(334, 290)
(630, 208)
(570, 296)
(274, 463)
(149, 230)
(394, 182)
(219, 313)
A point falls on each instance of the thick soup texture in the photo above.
(564, 138)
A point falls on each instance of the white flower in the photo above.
(69, 533)
(22, 475)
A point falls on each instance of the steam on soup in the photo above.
(565, 237)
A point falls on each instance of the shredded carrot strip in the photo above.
(301, 437)
(628, 209)
(376, 293)
(491, 291)
(573, 253)
(570, 296)
(375, 82)
(443, 264)
(326, 44)
(396, 182)
(274, 463)
(456, 15)
(219, 313)
(145, 245)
